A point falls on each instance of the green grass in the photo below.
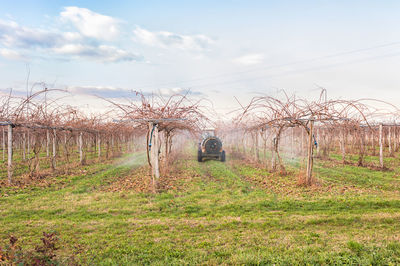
(224, 215)
(21, 166)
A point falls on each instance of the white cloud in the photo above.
(91, 24)
(167, 39)
(14, 35)
(102, 91)
(68, 44)
(166, 92)
(72, 36)
(115, 92)
(172, 91)
(11, 54)
(249, 59)
(103, 53)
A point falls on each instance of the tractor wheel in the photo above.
(199, 156)
(223, 156)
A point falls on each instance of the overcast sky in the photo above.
(217, 49)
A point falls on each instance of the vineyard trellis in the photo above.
(41, 133)
(328, 120)
(166, 116)
(34, 124)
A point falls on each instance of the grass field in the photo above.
(211, 213)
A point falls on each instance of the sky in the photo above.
(223, 51)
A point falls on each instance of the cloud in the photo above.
(91, 24)
(166, 92)
(172, 91)
(110, 92)
(104, 53)
(11, 54)
(103, 91)
(16, 40)
(72, 36)
(14, 35)
(249, 59)
(14, 92)
(167, 39)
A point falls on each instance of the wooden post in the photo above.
(153, 153)
(244, 143)
(302, 143)
(310, 153)
(120, 142)
(273, 159)
(29, 144)
(127, 141)
(80, 148)
(77, 142)
(381, 145)
(317, 136)
(10, 154)
(373, 142)
(47, 143)
(53, 161)
(112, 144)
(98, 146)
(23, 146)
(390, 141)
(4, 145)
(292, 144)
(256, 150)
(148, 147)
(343, 145)
(155, 157)
(362, 147)
(65, 143)
(264, 132)
(89, 142)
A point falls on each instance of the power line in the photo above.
(275, 66)
(291, 72)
